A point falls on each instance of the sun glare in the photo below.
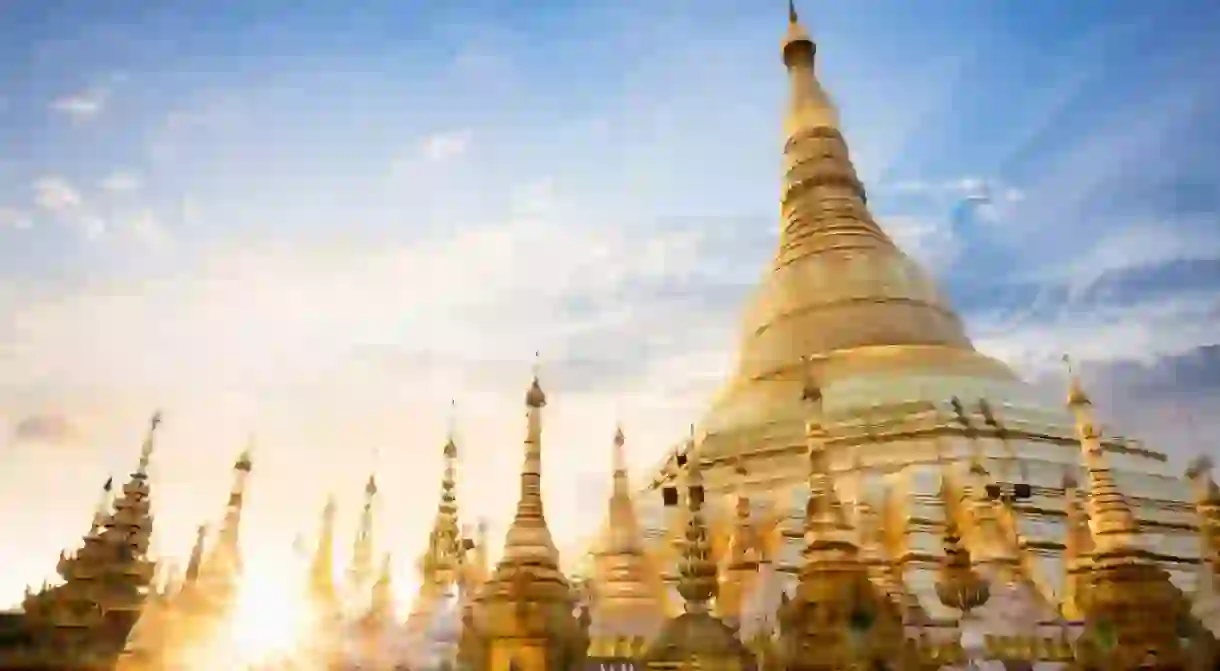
(270, 618)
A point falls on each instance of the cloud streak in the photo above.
(82, 106)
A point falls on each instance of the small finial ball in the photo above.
(535, 398)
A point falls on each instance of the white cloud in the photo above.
(929, 240)
(14, 218)
(447, 145)
(146, 229)
(1135, 247)
(56, 195)
(81, 106)
(121, 182)
(1144, 331)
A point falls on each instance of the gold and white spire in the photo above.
(529, 539)
(1110, 517)
(360, 573)
(625, 602)
(322, 568)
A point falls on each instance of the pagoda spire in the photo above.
(1077, 549)
(744, 553)
(225, 562)
(1207, 505)
(195, 563)
(625, 604)
(383, 591)
(102, 510)
(360, 574)
(1127, 600)
(322, 568)
(837, 282)
(836, 609)
(529, 538)
(527, 603)
(1110, 517)
(445, 542)
(697, 583)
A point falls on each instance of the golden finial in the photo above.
(450, 450)
(792, 17)
(535, 398)
(370, 486)
(244, 462)
(1076, 394)
(619, 462)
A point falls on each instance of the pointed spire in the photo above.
(1077, 548)
(529, 536)
(195, 563)
(527, 585)
(361, 571)
(792, 17)
(383, 591)
(1207, 506)
(445, 539)
(1110, 517)
(102, 510)
(147, 449)
(625, 603)
(698, 576)
(322, 568)
(226, 561)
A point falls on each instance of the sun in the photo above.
(269, 621)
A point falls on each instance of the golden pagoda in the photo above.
(436, 610)
(523, 616)
(696, 637)
(1133, 614)
(322, 593)
(84, 622)
(843, 304)
(361, 575)
(743, 561)
(220, 573)
(837, 618)
(627, 602)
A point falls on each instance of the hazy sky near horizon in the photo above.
(319, 223)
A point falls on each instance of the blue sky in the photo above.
(320, 223)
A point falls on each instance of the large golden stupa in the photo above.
(903, 389)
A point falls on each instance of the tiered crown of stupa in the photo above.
(824, 291)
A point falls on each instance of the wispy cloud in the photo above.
(81, 106)
(447, 145)
(146, 229)
(56, 195)
(121, 182)
(13, 218)
(61, 199)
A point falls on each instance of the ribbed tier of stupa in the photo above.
(903, 390)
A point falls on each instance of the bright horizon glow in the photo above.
(271, 615)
